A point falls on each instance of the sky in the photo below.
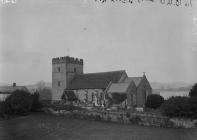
(147, 37)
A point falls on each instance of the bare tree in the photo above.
(44, 91)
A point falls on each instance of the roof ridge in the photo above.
(102, 72)
(95, 80)
(12, 86)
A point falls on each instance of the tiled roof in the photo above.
(9, 89)
(136, 80)
(95, 80)
(118, 87)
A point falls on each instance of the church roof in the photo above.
(118, 87)
(136, 80)
(95, 80)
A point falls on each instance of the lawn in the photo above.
(42, 126)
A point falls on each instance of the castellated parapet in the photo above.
(67, 59)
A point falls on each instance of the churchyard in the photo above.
(42, 126)
(149, 118)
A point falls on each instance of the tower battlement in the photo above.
(67, 59)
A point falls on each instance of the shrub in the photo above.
(120, 118)
(36, 105)
(193, 91)
(193, 107)
(176, 107)
(69, 95)
(154, 101)
(18, 103)
(118, 98)
(128, 114)
(180, 107)
(195, 124)
(75, 116)
(64, 107)
(97, 118)
(45, 94)
(109, 119)
(91, 117)
(2, 108)
(169, 123)
(108, 101)
(135, 120)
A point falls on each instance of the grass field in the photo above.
(41, 126)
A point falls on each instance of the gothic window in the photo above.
(134, 99)
(92, 96)
(75, 70)
(59, 83)
(146, 93)
(58, 69)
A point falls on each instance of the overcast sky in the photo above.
(148, 37)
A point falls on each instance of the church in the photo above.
(68, 75)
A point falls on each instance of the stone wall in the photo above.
(135, 118)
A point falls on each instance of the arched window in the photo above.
(59, 83)
(75, 70)
(58, 69)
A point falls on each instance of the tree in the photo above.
(45, 93)
(118, 98)
(108, 101)
(36, 105)
(193, 91)
(193, 107)
(177, 107)
(18, 103)
(154, 101)
(41, 85)
(180, 107)
(69, 95)
(2, 108)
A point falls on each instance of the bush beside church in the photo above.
(20, 102)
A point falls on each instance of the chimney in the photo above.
(14, 84)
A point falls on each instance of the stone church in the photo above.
(67, 74)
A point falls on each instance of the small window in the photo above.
(59, 83)
(75, 70)
(58, 69)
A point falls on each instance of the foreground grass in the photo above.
(42, 126)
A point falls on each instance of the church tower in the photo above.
(63, 71)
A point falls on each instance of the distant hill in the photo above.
(157, 86)
(5, 84)
(31, 87)
(36, 86)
